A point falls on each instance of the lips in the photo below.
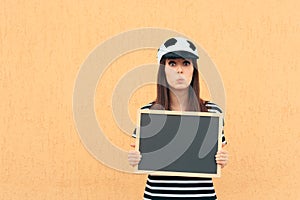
(180, 80)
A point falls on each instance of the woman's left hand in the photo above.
(222, 158)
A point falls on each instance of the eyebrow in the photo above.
(184, 59)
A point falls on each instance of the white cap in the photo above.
(177, 47)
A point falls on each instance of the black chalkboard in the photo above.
(179, 143)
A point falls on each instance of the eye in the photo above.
(186, 63)
(172, 63)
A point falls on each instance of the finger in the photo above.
(219, 155)
(222, 158)
(133, 165)
(134, 162)
(134, 157)
(222, 151)
(222, 164)
(132, 145)
(221, 161)
(134, 152)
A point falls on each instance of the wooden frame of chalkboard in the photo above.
(179, 143)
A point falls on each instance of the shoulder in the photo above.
(212, 107)
(148, 106)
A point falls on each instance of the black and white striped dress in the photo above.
(179, 187)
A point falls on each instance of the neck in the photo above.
(179, 99)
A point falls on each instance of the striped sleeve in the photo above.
(214, 108)
(148, 106)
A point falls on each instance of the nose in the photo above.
(179, 70)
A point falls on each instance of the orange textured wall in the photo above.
(255, 45)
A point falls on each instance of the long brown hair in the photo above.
(162, 101)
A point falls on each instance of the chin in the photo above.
(181, 87)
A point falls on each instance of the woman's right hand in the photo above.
(134, 157)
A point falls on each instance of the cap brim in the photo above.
(180, 54)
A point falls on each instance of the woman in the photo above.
(178, 90)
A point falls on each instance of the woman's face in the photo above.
(179, 73)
